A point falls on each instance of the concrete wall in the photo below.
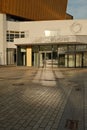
(12, 26)
(3, 44)
(63, 27)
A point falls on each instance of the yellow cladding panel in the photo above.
(35, 9)
(29, 56)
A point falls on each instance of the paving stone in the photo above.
(55, 125)
(40, 128)
(28, 128)
(36, 126)
(43, 124)
(54, 129)
(2, 128)
(32, 123)
(48, 127)
(26, 123)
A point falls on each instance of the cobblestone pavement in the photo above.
(41, 99)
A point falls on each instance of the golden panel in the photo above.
(0, 5)
(35, 9)
(68, 16)
(29, 56)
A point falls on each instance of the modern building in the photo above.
(48, 38)
(60, 43)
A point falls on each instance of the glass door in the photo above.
(61, 60)
(48, 59)
(42, 59)
(45, 59)
(23, 58)
(55, 59)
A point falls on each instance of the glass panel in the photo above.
(62, 49)
(36, 59)
(66, 60)
(61, 60)
(46, 48)
(48, 59)
(71, 47)
(81, 47)
(85, 59)
(11, 40)
(11, 35)
(22, 34)
(78, 60)
(45, 59)
(35, 48)
(12, 32)
(21, 55)
(8, 37)
(42, 60)
(23, 58)
(16, 34)
(55, 59)
(71, 60)
(11, 56)
(55, 48)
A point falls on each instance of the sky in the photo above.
(77, 8)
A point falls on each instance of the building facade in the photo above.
(55, 43)
(52, 41)
(60, 43)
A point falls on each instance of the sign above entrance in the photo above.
(55, 39)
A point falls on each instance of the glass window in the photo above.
(71, 47)
(35, 48)
(14, 34)
(11, 36)
(62, 49)
(81, 47)
(46, 48)
(55, 48)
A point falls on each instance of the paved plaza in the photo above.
(43, 98)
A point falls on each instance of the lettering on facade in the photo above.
(55, 39)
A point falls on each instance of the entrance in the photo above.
(45, 59)
(21, 57)
(59, 55)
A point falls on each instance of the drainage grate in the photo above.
(49, 80)
(78, 89)
(71, 124)
(18, 84)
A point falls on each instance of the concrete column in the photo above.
(3, 28)
(29, 56)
